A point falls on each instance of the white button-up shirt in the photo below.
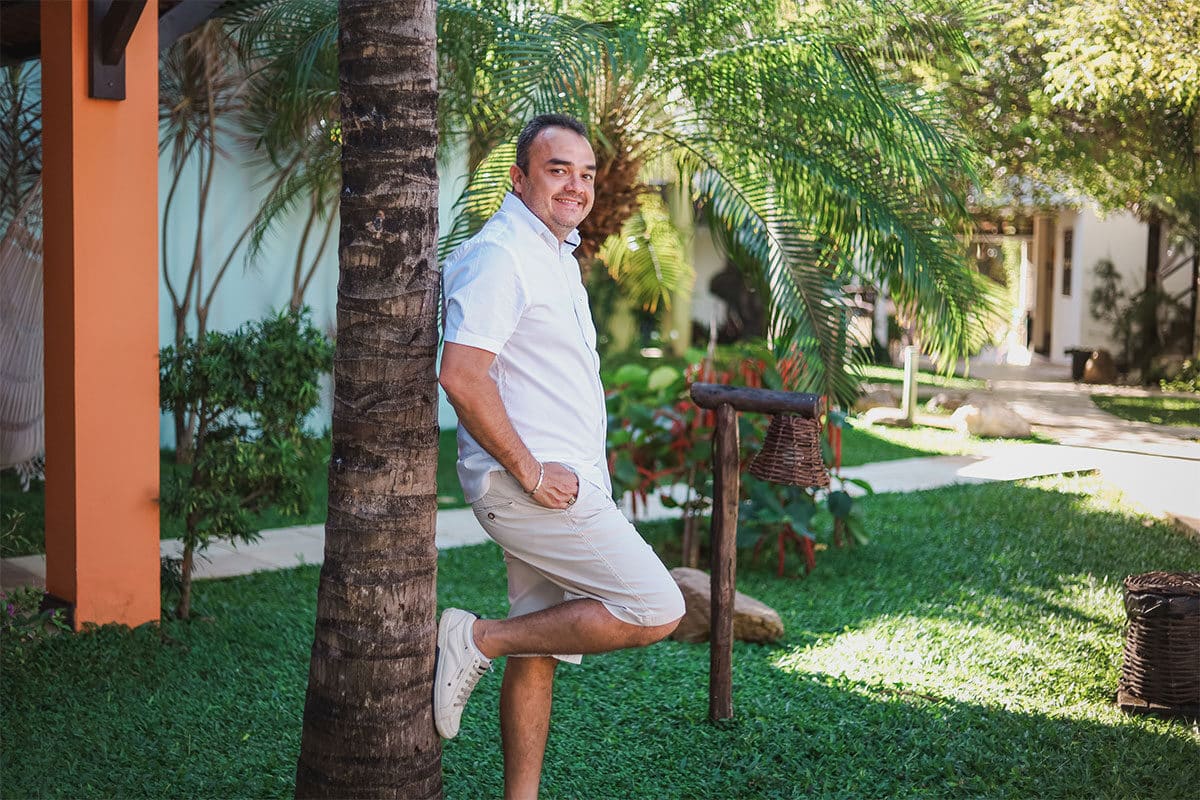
(515, 291)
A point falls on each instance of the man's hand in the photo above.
(560, 487)
(466, 379)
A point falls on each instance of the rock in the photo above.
(1100, 368)
(753, 621)
(947, 401)
(879, 397)
(990, 418)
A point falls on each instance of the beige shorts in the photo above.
(586, 551)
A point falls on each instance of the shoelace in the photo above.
(464, 691)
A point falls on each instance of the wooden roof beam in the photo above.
(182, 19)
(110, 24)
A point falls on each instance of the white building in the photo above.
(1058, 274)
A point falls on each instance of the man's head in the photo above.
(555, 172)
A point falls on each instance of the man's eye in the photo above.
(589, 177)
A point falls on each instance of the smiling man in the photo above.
(520, 368)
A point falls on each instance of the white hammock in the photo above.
(22, 395)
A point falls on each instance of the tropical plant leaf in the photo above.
(649, 257)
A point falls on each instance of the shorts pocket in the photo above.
(496, 498)
(591, 500)
(490, 503)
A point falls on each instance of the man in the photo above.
(520, 368)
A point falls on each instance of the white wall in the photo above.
(1117, 237)
(708, 260)
(1065, 328)
(1121, 239)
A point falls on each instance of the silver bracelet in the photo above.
(541, 477)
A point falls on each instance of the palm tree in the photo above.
(291, 116)
(812, 169)
(368, 727)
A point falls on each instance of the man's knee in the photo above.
(671, 609)
(530, 670)
(643, 635)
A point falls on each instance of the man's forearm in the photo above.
(482, 412)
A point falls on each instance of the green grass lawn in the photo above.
(882, 373)
(866, 444)
(972, 650)
(1159, 410)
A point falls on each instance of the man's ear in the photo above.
(517, 176)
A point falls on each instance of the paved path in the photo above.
(1156, 467)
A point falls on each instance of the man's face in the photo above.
(560, 185)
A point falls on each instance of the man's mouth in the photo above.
(570, 201)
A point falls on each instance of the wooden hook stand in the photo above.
(727, 401)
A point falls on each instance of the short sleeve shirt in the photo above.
(514, 290)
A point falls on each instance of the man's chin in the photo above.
(570, 223)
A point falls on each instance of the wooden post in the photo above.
(726, 479)
(727, 401)
(908, 403)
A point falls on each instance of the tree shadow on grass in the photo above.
(989, 620)
(800, 735)
(1016, 553)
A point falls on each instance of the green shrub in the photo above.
(252, 389)
(1129, 314)
(1186, 380)
(657, 437)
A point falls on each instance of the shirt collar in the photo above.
(515, 206)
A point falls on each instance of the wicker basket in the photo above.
(1162, 644)
(791, 453)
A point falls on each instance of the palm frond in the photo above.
(649, 257)
(481, 198)
(809, 313)
(309, 178)
(815, 170)
(201, 90)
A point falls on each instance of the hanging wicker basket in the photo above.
(791, 453)
(1161, 673)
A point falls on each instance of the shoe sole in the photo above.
(437, 674)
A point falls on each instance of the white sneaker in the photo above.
(460, 665)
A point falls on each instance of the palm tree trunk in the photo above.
(368, 723)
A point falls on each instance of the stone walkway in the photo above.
(1156, 467)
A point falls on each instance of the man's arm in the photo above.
(474, 395)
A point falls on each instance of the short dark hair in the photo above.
(539, 124)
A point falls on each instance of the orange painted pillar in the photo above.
(100, 195)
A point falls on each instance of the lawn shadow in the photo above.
(972, 552)
(802, 735)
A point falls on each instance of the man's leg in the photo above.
(574, 626)
(589, 551)
(525, 699)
